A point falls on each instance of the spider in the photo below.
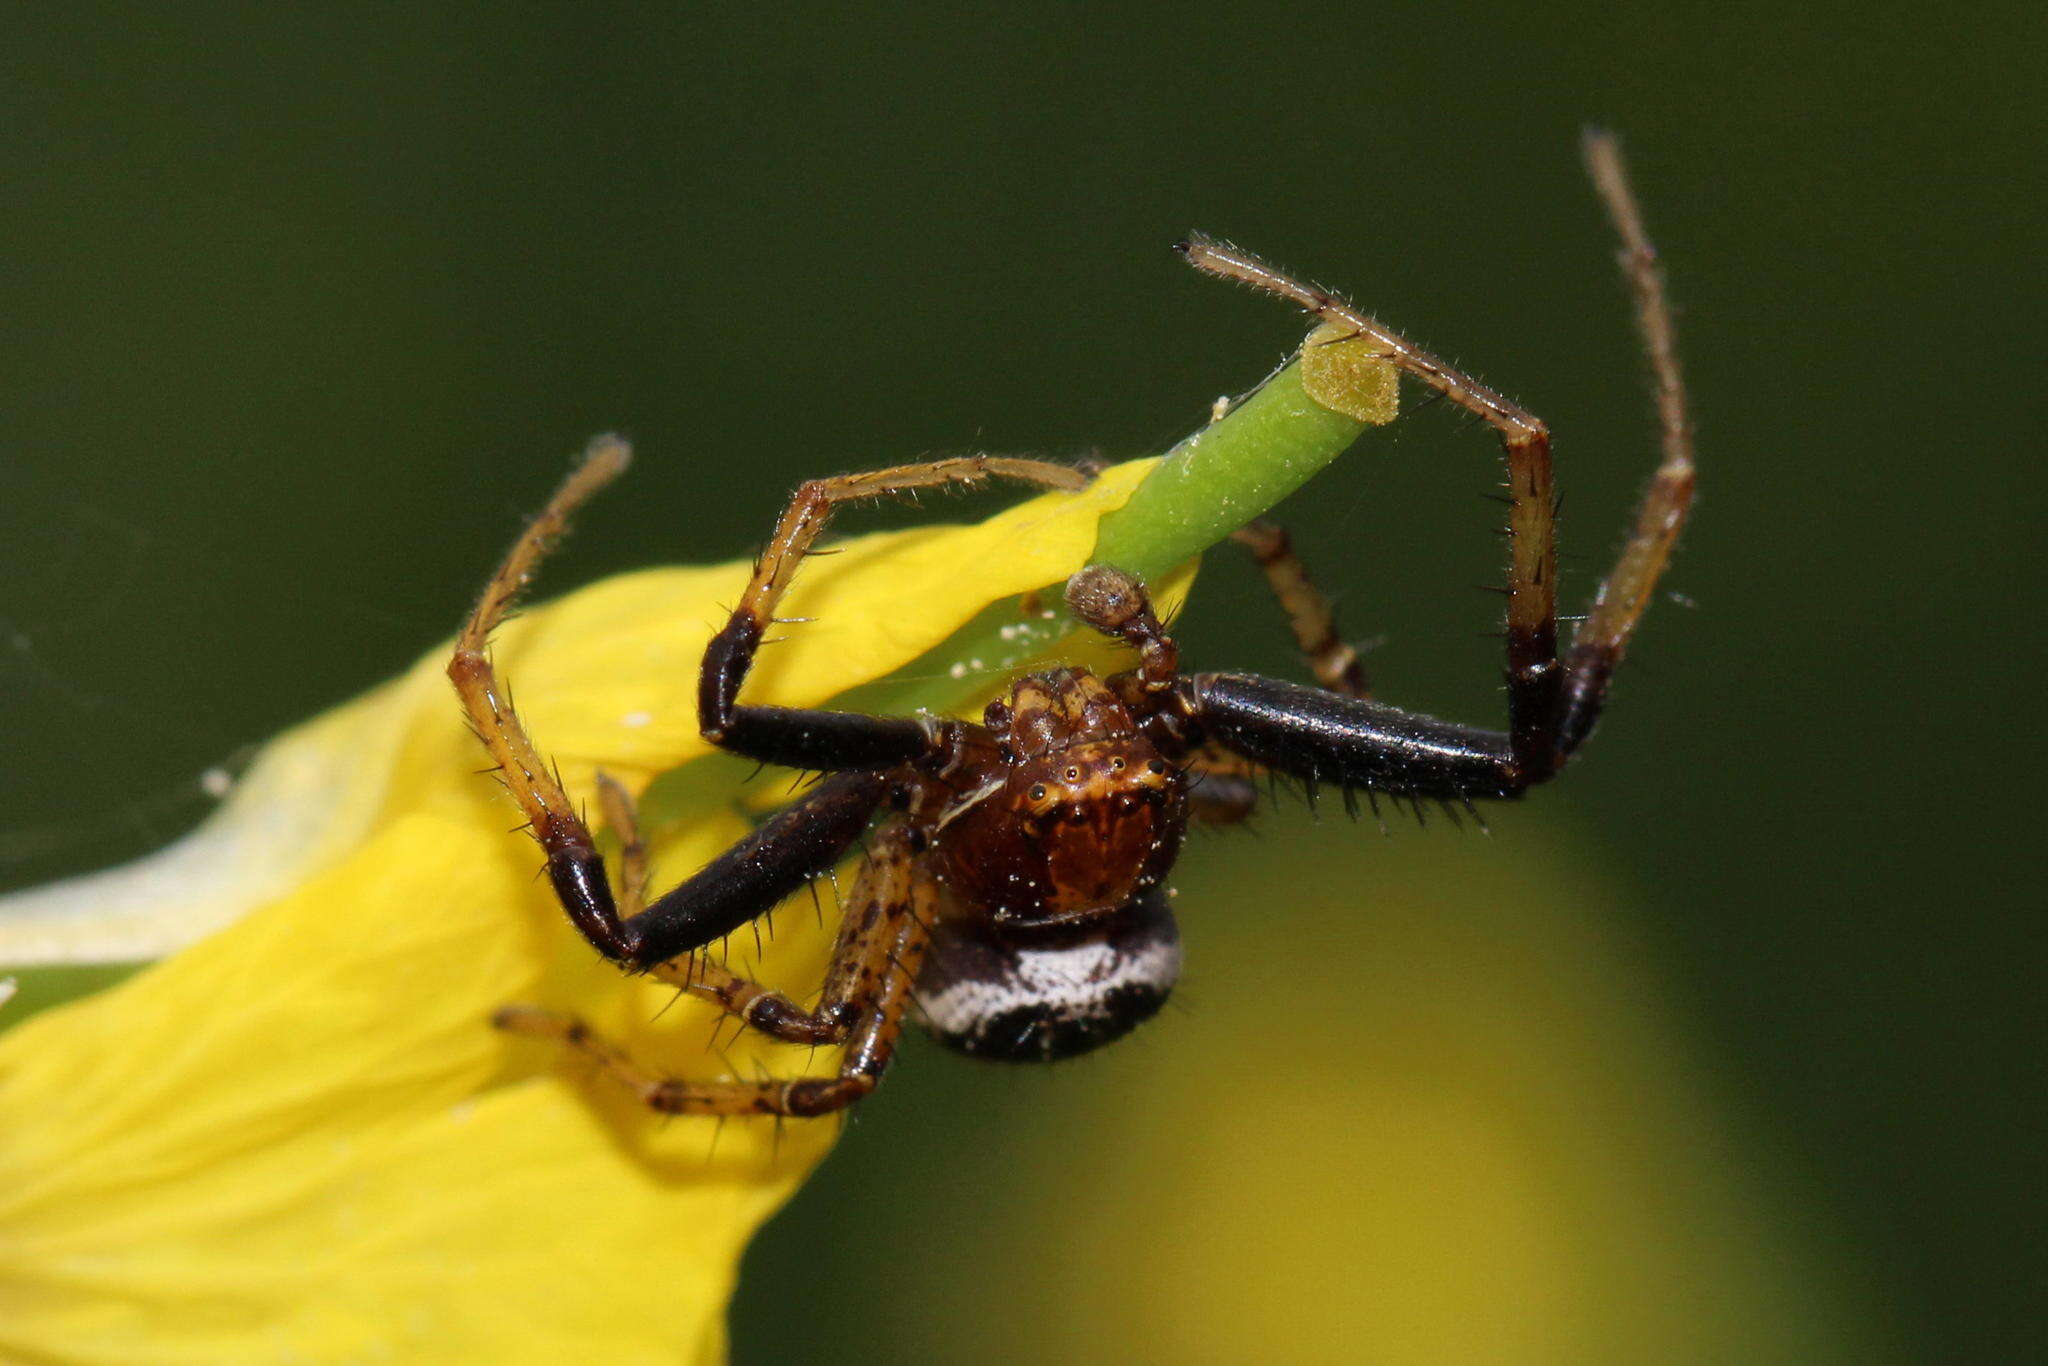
(1011, 893)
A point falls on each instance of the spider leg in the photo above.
(549, 813)
(1331, 659)
(800, 842)
(701, 976)
(827, 739)
(1349, 742)
(1601, 639)
(1552, 705)
(878, 994)
(1231, 729)
(1223, 789)
(622, 818)
(1534, 677)
(860, 954)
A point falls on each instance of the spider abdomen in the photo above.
(1044, 994)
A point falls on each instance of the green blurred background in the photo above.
(1724, 1049)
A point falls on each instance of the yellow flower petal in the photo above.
(303, 802)
(297, 1139)
(606, 676)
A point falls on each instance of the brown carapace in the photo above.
(1010, 894)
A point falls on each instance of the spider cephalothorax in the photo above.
(1062, 810)
(1011, 891)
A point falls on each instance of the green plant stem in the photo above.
(1206, 487)
(1224, 475)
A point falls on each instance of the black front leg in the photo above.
(800, 842)
(826, 739)
(1322, 737)
(795, 737)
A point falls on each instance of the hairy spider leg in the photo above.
(1224, 787)
(1534, 677)
(622, 817)
(549, 813)
(812, 739)
(699, 974)
(801, 842)
(894, 903)
(1330, 657)
(1551, 705)
(1599, 642)
(704, 977)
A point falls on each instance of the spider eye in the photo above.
(1072, 775)
(1117, 765)
(1155, 767)
(1037, 793)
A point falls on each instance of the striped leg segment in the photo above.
(1331, 659)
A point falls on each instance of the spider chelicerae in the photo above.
(1011, 891)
